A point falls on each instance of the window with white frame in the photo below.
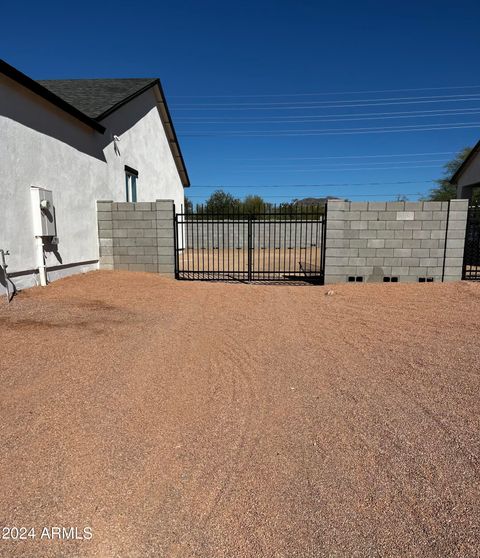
(131, 177)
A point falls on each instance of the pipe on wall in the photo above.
(8, 281)
(42, 270)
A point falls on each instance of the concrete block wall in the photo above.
(266, 232)
(165, 237)
(403, 240)
(136, 236)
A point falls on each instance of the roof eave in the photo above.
(43, 92)
(172, 138)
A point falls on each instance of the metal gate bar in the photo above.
(274, 244)
(471, 254)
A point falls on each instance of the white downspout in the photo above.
(42, 271)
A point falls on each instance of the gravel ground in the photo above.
(224, 420)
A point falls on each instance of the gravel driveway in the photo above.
(220, 420)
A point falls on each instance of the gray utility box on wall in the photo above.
(43, 212)
(395, 241)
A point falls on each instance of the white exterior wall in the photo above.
(469, 178)
(144, 147)
(471, 175)
(40, 145)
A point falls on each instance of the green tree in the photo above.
(220, 202)
(188, 206)
(445, 190)
(253, 204)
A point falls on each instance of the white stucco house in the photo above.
(73, 142)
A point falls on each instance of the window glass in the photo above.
(130, 187)
(133, 182)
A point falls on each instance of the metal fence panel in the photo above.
(471, 255)
(270, 245)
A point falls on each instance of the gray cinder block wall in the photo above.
(136, 236)
(266, 232)
(403, 240)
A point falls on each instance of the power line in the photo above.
(289, 165)
(333, 118)
(319, 117)
(324, 185)
(462, 97)
(346, 156)
(336, 169)
(366, 194)
(314, 106)
(326, 94)
(331, 131)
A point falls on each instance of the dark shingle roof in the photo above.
(95, 97)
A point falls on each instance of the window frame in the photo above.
(131, 177)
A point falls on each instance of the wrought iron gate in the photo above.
(275, 244)
(471, 254)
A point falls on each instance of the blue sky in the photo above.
(270, 95)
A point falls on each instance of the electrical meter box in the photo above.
(43, 212)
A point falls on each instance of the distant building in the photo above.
(306, 202)
(65, 144)
(467, 177)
